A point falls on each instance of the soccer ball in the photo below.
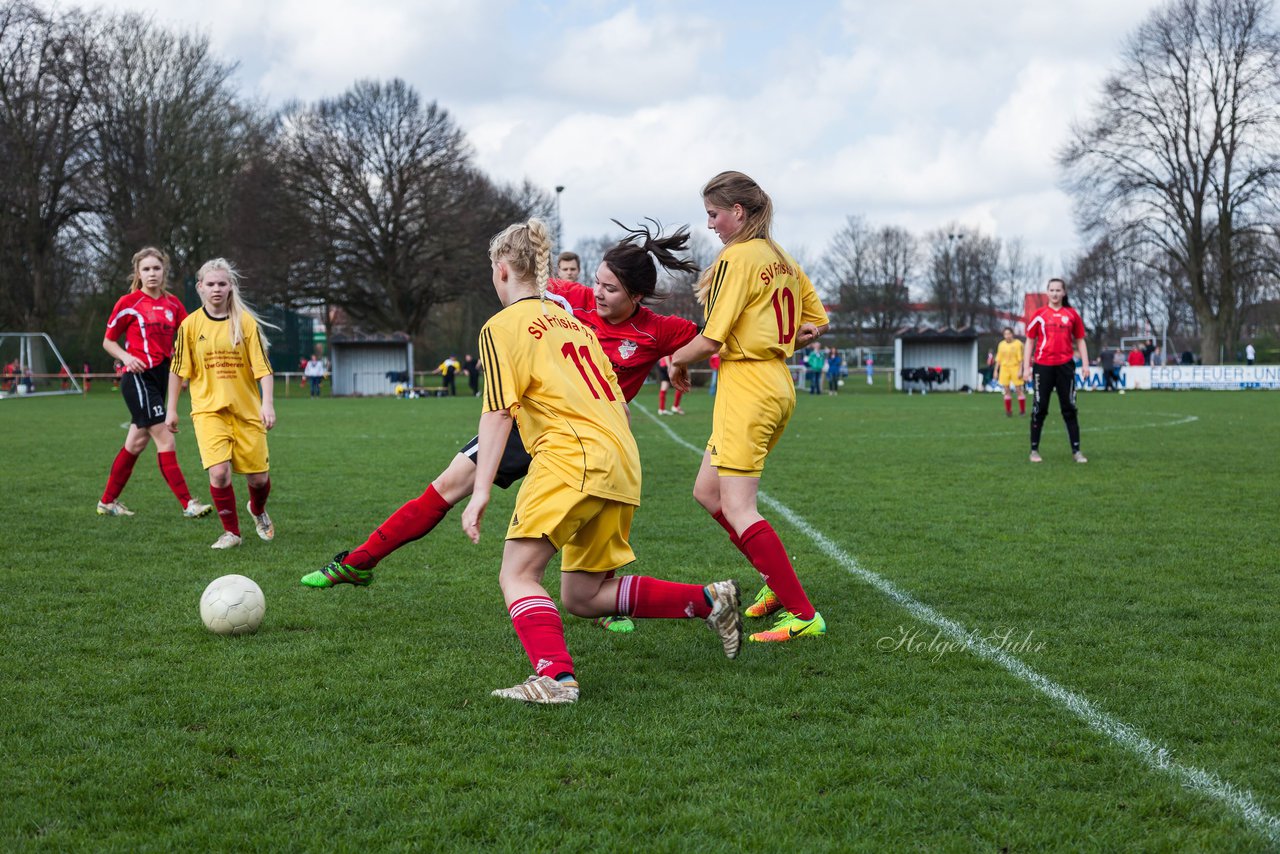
(232, 605)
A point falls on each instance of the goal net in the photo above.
(30, 366)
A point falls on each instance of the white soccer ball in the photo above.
(232, 605)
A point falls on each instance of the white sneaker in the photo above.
(228, 540)
(195, 509)
(115, 508)
(1079, 457)
(1036, 458)
(725, 618)
(541, 689)
(262, 524)
(678, 411)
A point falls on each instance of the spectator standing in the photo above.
(835, 366)
(314, 372)
(1249, 353)
(471, 368)
(871, 369)
(815, 362)
(448, 372)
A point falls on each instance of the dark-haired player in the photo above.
(1055, 336)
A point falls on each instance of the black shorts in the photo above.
(515, 459)
(664, 374)
(144, 394)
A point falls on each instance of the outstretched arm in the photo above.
(701, 347)
(495, 428)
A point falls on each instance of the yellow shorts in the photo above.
(591, 532)
(223, 436)
(754, 402)
(1010, 376)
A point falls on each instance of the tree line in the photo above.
(117, 133)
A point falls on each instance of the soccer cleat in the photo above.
(1079, 457)
(336, 572)
(228, 540)
(1035, 457)
(114, 508)
(664, 411)
(195, 509)
(262, 524)
(541, 689)
(621, 625)
(678, 411)
(766, 603)
(724, 619)
(789, 627)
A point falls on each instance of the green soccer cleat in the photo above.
(789, 627)
(336, 572)
(766, 603)
(621, 625)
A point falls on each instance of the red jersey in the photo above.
(147, 325)
(1053, 333)
(635, 344)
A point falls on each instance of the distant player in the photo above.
(583, 484)
(220, 350)
(664, 386)
(1055, 338)
(139, 337)
(760, 306)
(633, 336)
(569, 267)
(1009, 366)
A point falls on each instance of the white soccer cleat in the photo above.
(677, 411)
(228, 540)
(1079, 457)
(262, 524)
(114, 508)
(541, 689)
(725, 618)
(195, 509)
(1036, 458)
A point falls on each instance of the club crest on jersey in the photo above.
(168, 315)
(627, 348)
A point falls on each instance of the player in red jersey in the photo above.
(1055, 336)
(633, 336)
(145, 319)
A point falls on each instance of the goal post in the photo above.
(32, 366)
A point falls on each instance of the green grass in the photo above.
(359, 719)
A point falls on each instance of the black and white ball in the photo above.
(232, 605)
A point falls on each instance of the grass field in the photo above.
(1019, 657)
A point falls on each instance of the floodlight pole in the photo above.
(559, 221)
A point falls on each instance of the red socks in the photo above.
(258, 498)
(642, 596)
(541, 633)
(1008, 406)
(762, 547)
(662, 400)
(224, 501)
(121, 468)
(173, 476)
(679, 394)
(411, 522)
(1022, 406)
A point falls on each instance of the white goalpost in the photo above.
(32, 366)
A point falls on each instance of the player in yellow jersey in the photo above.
(760, 307)
(545, 368)
(220, 351)
(1009, 372)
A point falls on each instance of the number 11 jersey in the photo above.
(548, 369)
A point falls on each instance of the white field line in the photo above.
(1240, 801)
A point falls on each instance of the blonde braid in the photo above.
(540, 238)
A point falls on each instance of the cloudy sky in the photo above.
(918, 113)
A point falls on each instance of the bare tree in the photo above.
(402, 215)
(172, 136)
(47, 64)
(1181, 157)
(867, 271)
(962, 275)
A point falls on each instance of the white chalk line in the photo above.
(1238, 800)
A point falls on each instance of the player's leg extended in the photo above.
(121, 470)
(167, 458)
(412, 521)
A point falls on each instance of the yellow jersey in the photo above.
(758, 301)
(222, 377)
(1009, 354)
(549, 371)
